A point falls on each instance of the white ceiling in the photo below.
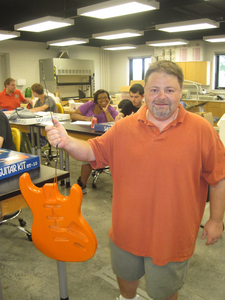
(14, 12)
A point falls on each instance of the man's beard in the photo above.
(163, 112)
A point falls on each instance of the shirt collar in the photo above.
(179, 119)
(7, 93)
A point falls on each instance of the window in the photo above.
(138, 67)
(220, 71)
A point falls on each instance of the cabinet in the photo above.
(67, 76)
(197, 71)
(216, 108)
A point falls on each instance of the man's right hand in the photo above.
(57, 135)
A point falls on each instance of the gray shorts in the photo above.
(161, 281)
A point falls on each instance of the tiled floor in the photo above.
(27, 274)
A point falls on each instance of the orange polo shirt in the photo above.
(11, 102)
(160, 182)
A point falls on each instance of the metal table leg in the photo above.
(63, 287)
(38, 129)
(1, 297)
(62, 183)
(32, 140)
(67, 168)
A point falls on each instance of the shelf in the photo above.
(73, 83)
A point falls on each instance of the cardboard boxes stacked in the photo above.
(207, 115)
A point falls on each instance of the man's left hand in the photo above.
(213, 231)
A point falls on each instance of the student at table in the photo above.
(99, 108)
(104, 112)
(44, 102)
(136, 95)
(6, 140)
(10, 97)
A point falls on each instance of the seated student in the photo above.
(99, 108)
(45, 102)
(10, 97)
(104, 112)
(136, 94)
(6, 139)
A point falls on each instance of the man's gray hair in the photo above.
(168, 67)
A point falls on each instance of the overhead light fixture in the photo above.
(115, 8)
(119, 47)
(68, 42)
(214, 38)
(164, 43)
(44, 24)
(188, 25)
(119, 34)
(6, 35)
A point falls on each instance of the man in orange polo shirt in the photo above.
(162, 159)
(10, 97)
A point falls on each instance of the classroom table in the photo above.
(10, 196)
(83, 132)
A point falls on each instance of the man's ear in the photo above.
(181, 91)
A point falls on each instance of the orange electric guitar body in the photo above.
(59, 230)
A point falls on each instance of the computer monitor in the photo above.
(81, 94)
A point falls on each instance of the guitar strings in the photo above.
(57, 156)
(57, 153)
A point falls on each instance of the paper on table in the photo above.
(42, 113)
(82, 122)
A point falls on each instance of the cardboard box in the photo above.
(118, 97)
(125, 92)
(207, 115)
(13, 163)
(142, 82)
(124, 89)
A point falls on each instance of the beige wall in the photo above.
(119, 65)
(24, 60)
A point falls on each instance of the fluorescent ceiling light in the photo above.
(68, 42)
(119, 47)
(164, 43)
(214, 38)
(115, 8)
(44, 24)
(119, 34)
(188, 25)
(6, 35)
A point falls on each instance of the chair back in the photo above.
(60, 108)
(17, 138)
